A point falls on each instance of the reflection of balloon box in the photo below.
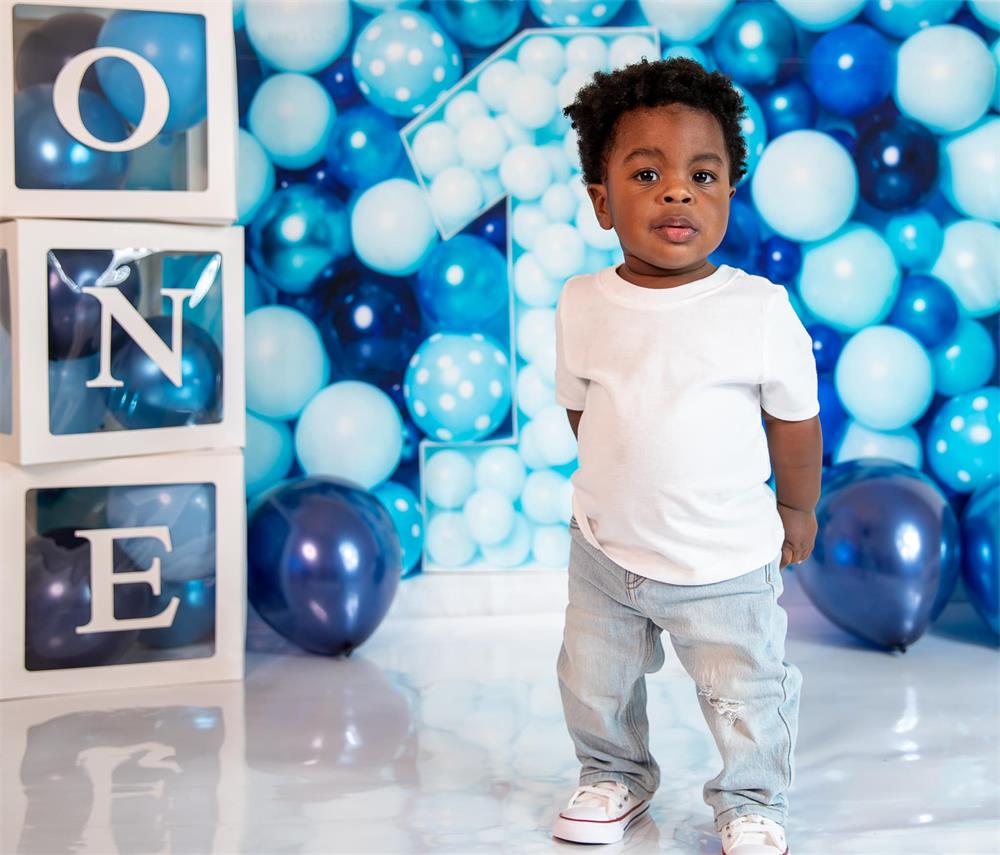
(133, 344)
(122, 573)
(139, 123)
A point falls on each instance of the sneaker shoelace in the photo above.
(755, 829)
(600, 795)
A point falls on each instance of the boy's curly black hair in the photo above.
(600, 103)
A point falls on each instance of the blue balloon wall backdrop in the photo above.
(414, 206)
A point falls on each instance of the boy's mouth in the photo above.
(675, 229)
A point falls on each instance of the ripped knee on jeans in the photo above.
(723, 706)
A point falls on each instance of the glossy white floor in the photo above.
(446, 736)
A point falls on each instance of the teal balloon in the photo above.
(269, 453)
(851, 280)
(175, 45)
(915, 238)
(255, 177)
(297, 237)
(480, 23)
(408, 518)
(292, 116)
(965, 360)
(884, 378)
(963, 440)
(981, 553)
(194, 620)
(754, 43)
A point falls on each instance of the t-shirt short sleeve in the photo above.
(571, 390)
(788, 388)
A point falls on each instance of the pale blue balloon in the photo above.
(291, 116)
(970, 170)
(685, 22)
(969, 264)
(268, 455)
(525, 172)
(457, 387)
(556, 440)
(449, 542)
(294, 36)
(350, 430)
(408, 518)
(392, 227)
(916, 239)
(902, 18)
(860, 441)
(490, 516)
(255, 177)
(820, 15)
(965, 360)
(547, 497)
(805, 185)
(254, 295)
(944, 78)
(851, 280)
(527, 447)
(286, 363)
(963, 441)
(403, 60)
(514, 550)
(550, 545)
(501, 469)
(884, 378)
(448, 479)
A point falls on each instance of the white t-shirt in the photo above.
(672, 482)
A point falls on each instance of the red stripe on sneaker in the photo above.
(605, 821)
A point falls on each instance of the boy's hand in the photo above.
(800, 534)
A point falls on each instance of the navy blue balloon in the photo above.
(58, 599)
(372, 327)
(249, 74)
(493, 226)
(832, 416)
(827, 344)
(886, 554)
(789, 106)
(149, 399)
(45, 50)
(462, 284)
(780, 260)
(364, 147)
(324, 563)
(75, 317)
(739, 246)
(46, 157)
(338, 79)
(926, 308)
(194, 620)
(845, 138)
(981, 553)
(897, 164)
(851, 69)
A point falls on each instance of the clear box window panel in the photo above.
(109, 99)
(90, 597)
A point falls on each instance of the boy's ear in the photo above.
(599, 198)
(732, 192)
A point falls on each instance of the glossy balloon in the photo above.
(149, 399)
(46, 157)
(462, 284)
(897, 165)
(965, 360)
(827, 345)
(364, 147)
(754, 43)
(338, 79)
(789, 106)
(981, 553)
(916, 239)
(780, 260)
(833, 417)
(480, 23)
(324, 562)
(45, 50)
(851, 69)
(739, 245)
(926, 308)
(887, 552)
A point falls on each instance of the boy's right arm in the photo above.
(574, 421)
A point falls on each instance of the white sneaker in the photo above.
(753, 835)
(598, 814)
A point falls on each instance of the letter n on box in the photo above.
(119, 339)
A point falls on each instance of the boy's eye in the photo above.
(646, 176)
(702, 177)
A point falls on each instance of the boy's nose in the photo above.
(678, 195)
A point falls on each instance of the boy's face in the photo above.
(666, 189)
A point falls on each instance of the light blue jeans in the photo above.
(729, 636)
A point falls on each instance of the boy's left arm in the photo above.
(796, 451)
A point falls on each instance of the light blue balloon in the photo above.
(902, 18)
(188, 511)
(501, 469)
(754, 128)
(859, 441)
(286, 363)
(963, 441)
(268, 455)
(513, 550)
(490, 516)
(449, 478)
(254, 295)
(970, 170)
(944, 78)
(850, 280)
(404, 508)
(457, 387)
(255, 177)
(915, 238)
(350, 430)
(547, 497)
(403, 60)
(884, 378)
(965, 360)
(819, 15)
(805, 185)
(449, 542)
(969, 264)
(392, 227)
(550, 545)
(294, 36)
(683, 22)
(291, 116)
